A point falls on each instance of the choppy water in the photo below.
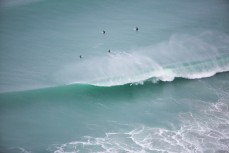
(163, 88)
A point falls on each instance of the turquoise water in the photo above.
(162, 89)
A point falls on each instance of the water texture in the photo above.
(161, 89)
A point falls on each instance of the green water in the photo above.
(161, 89)
(37, 120)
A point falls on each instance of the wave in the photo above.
(167, 74)
(196, 70)
(182, 56)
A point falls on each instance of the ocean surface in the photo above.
(161, 89)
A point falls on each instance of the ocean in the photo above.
(77, 76)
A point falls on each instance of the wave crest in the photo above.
(182, 56)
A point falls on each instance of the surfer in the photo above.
(109, 51)
(136, 28)
(81, 56)
(104, 32)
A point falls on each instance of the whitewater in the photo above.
(161, 62)
(68, 87)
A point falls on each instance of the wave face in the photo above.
(181, 116)
(53, 101)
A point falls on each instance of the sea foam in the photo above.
(182, 56)
(206, 131)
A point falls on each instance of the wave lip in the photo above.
(195, 70)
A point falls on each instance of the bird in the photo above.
(136, 28)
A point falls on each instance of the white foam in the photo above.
(205, 131)
(19, 150)
(184, 56)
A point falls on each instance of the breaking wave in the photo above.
(182, 56)
(167, 74)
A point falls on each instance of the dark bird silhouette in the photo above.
(136, 28)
